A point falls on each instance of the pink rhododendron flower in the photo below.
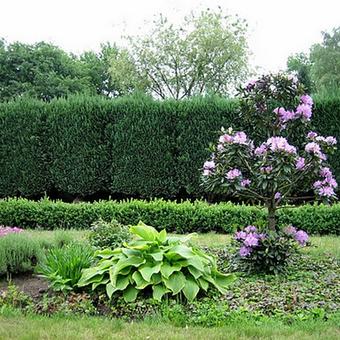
(326, 191)
(245, 251)
(240, 138)
(306, 99)
(312, 134)
(301, 237)
(266, 169)
(284, 115)
(331, 140)
(251, 241)
(313, 147)
(250, 229)
(300, 163)
(234, 173)
(240, 235)
(209, 165)
(290, 230)
(304, 110)
(262, 149)
(245, 182)
(277, 196)
(226, 138)
(277, 144)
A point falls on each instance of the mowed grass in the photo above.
(319, 245)
(39, 327)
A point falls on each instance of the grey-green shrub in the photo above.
(19, 253)
(108, 234)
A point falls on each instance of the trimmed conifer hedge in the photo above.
(134, 146)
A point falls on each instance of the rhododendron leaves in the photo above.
(148, 269)
(176, 282)
(144, 231)
(159, 291)
(130, 293)
(190, 289)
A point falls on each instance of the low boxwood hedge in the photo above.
(181, 217)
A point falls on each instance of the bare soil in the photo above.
(28, 283)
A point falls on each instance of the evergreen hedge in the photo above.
(182, 217)
(135, 146)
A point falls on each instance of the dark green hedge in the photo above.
(182, 217)
(135, 146)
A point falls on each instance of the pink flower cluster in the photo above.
(300, 236)
(249, 238)
(303, 110)
(326, 186)
(233, 173)
(315, 149)
(238, 138)
(9, 230)
(275, 144)
(314, 146)
(208, 168)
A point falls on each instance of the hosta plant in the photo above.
(156, 263)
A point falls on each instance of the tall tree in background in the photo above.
(40, 70)
(300, 64)
(325, 58)
(208, 53)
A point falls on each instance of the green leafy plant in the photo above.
(63, 266)
(158, 262)
(108, 234)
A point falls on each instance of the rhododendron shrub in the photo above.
(280, 158)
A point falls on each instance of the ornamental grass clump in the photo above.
(156, 264)
(278, 161)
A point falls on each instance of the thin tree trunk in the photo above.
(272, 217)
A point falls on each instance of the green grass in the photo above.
(15, 326)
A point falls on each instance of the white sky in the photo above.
(277, 28)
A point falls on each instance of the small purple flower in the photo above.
(306, 99)
(233, 173)
(245, 182)
(277, 196)
(326, 172)
(245, 251)
(304, 110)
(251, 240)
(207, 172)
(300, 163)
(220, 147)
(209, 165)
(240, 235)
(277, 144)
(250, 229)
(301, 237)
(266, 169)
(331, 140)
(240, 138)
(313, 147)
(326, 191)
(312, 135)
(317, 185)
(226, 138)
(284, 115)
(262, 149)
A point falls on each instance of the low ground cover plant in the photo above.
(155, 262)
(108, 234)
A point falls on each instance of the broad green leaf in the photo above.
(139, 245)
(130, 294)
(224, 279)
(195, 272)
(204, 284)
(96, 284)
(167, 269)
(156, 278)
(148, 269)
(131, 252)
(157, 256)
(109, 290)
(158, 291)
(162, 236)
(175, 282)
(144, 231)
(107, 253)
(140, 282)
(179, 251)
(121, 282)
(90, 275)
(128, 261)
(191, 289)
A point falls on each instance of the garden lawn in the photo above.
(15, 326)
